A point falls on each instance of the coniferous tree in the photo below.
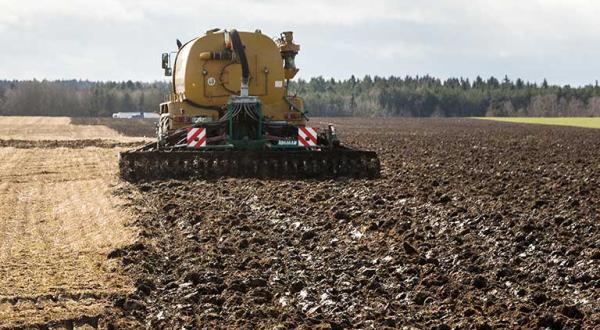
(367, 96)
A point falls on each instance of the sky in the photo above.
(123, 39)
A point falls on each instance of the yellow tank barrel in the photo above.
(207, 72)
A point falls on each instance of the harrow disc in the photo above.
(147, 165)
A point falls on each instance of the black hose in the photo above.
(239, 49)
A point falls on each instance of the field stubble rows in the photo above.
(58, 220)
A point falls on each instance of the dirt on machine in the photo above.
(230, 114)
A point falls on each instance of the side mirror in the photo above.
(168, 72)
(165, 60)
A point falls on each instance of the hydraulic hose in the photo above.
(238, 48)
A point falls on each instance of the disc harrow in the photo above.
(143, 165)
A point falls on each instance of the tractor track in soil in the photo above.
(71, 144)
(473, 224)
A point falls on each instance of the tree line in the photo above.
(368, 96)
(455, 97)
(79, 98)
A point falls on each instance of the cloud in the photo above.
(113, 39)
(29, 13)
(334, 12)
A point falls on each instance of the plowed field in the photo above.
(474, 224)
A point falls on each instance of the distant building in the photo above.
(135, 115)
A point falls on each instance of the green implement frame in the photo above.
(247, 150)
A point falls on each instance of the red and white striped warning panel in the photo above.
(307, 136)
(196, 137)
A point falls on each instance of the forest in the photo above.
(77, 98)
(366, 97)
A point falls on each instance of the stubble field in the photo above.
(474, 224)
(59, 218)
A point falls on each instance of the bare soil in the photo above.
(126, 127)
(72, 144)
(474, 224)
(60, 128)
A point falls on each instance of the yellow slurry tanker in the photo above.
(230, 114)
